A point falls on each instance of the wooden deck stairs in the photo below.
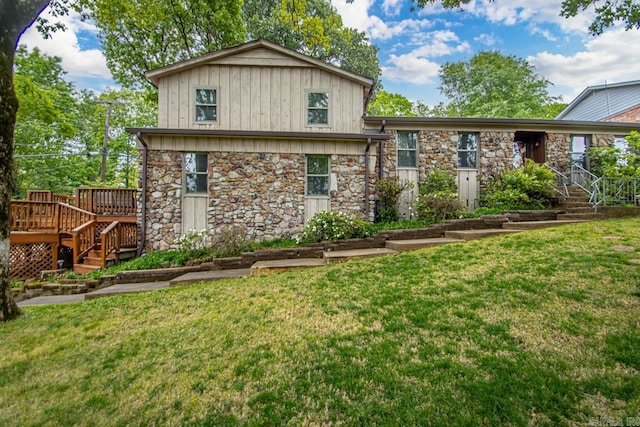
(96, 228)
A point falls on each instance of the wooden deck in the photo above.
(98, 226)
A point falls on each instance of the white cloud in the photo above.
(416, 66)
(391, 7)
(612, 57)
(486, 39)
(411, 69)
(78, 62)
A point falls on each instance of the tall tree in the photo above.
(494, 85)
(15, 17)
(315, 28)
(391, 105)
(607, 12)
(139, 35)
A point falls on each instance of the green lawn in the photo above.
(538, 328)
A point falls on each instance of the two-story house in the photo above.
(263, 137)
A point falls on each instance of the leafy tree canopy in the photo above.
(494, 85)
(391, 105)
(607, 12)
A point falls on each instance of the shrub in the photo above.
(529, 187)
(332, 226)
(193, 239)
(230, 241)
(389, 191)
(438, 199)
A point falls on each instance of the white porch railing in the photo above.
(606, 191)
(562, 182)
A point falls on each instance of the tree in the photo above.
(15, 17)
(315, 28)
(140, 35)
(391, 105)
(494, 85)
(607, 14)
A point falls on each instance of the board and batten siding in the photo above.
(194, 144)
(260, 98)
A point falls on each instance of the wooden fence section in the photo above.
(108, 201)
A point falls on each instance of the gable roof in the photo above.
(602, 101)
(288, 56)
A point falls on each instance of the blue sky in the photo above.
(413, 45)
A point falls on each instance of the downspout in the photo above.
(143, 197)
(366, 178)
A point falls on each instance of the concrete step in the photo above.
(281, 265)
(478, 234)
(409, 245)
(581, 216)
(125, 288)
(535, 225)
(332, 257)
(208, 276)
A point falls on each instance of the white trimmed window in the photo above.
(468, 150)
(317, 176)
(407, 149)
(196, 175)
(206, 105)
(317, 108)
(579, 147)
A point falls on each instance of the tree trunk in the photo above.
(15, 17)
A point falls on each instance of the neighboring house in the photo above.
(617, 102)
(263, 137)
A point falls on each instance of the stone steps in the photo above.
(535, 225)
(208, 276)
(581, 216)
(413, 244)
(281, 265)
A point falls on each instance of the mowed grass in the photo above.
(538, 328)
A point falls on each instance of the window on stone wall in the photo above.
(206, 105)
(195, 173)
(317, 175)
(621, 143)
(468, 150)
(579, 147)
(407, 149)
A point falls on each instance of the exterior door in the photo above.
(468, 188)
(319, 184)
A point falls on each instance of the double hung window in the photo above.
(195, 173)
(407, 149)
(317, 176)
(206, 105)
(317, 108)
(468, 150)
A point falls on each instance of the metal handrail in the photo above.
(583, 178)
(562, 182)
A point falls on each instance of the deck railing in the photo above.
(34, 216)
(72, 217)
(116, 236)
(108, 201)
(84, 239)
(49, 196)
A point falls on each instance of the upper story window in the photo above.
(468, 150)
(317, 175)
(407, 149)
(317, 108)
(206, 105)
(195, 173)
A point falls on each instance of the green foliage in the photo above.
(613, 162)
(388, 191)
(139, 35)
(193, 239)
(230, 241)
(390, 105)
(437, 198)
(494, 85)
(333, 226)
(529, 187)
(312, 27)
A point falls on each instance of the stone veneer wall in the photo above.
(260, 192)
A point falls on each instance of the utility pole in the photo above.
(105, 142)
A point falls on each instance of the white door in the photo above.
(408, 196)
(194, 212)
(468, 188)
(313, 205)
